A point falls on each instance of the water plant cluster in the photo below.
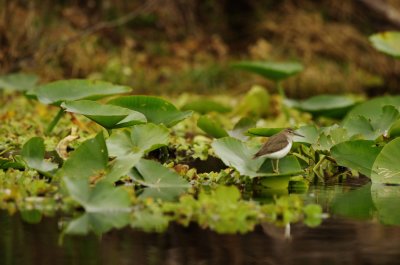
(143, 162)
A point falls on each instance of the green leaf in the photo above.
(256, 102)
(275, 71)
(386, 168)
(74, 89)
(313, 215)
(18, 81)
(121, 165)
(372, 109)
(387, 42)
(103, 198)
(331, 136)
(333, 106)
(156, 110)
(140, 138)
(359, 155)
(89, 159)
(160, 181)
(211, 127)
(31, 216)
(33, 153)
(389, 115)
(359, 125)
(310, 134)
(204, 106)
(266, 132)
(288, 166)
(108, 116)
(237, 154)
(99, 223)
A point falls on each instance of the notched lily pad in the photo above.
(275, 71)
(156, 110)
(75, 89)
(108, 116)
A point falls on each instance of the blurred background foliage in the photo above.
(171, 46)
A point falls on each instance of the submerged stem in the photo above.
(54, 122)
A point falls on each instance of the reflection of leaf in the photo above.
(89, 159)
(387, 42)
(163, 182)
(386, 168)
(108, 116)
(99, 223)
(74, 89)
(18, 81)
(104, 197)
(211, 127)
(33, 154)
(386, 200)
(359, 155)
(356, 203)
(271, 70)
(156, 110)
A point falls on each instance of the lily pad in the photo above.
(359, 155)
(333, 106)
(18, 81)
(108, 116)
(256, 102)
(288, 166)
(74, 89)
(204, 106)
(387, 42)
(160, 182)
(156, 110)
(386, 168)
(33, 154)
(266, 132)
(275, 71)
(211, 127)
(237, 154)
(89, 159)
(372, 109)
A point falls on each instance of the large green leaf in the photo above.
(75, 89)
(359, 155)
(204, 106)
(266, 132)
(271, 70)
(372, 109)
(386, 168)
(108, 116)
(128, 146)
(237, 154)
(160, 181)
(256, 102)
(330, 136)
(333, 106)
(288, 166)
(33, 153)
(18, 81)
(211, 127)
(387, 42)
(156, 110)
(89, 159)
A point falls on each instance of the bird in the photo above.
(277, 146)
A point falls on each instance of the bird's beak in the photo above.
(298, 134)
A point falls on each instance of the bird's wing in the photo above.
(272, 146)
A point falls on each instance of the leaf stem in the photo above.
(54, 122)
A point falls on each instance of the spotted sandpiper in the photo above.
(277, 146)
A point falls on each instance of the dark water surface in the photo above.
(337, 240)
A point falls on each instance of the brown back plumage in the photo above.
(273, 144)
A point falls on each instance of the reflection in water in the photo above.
(336, 241)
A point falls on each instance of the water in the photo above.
(338, 240)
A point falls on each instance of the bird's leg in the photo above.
(275, 169)
(277, 165)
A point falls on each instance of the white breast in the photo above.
(279, 154)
